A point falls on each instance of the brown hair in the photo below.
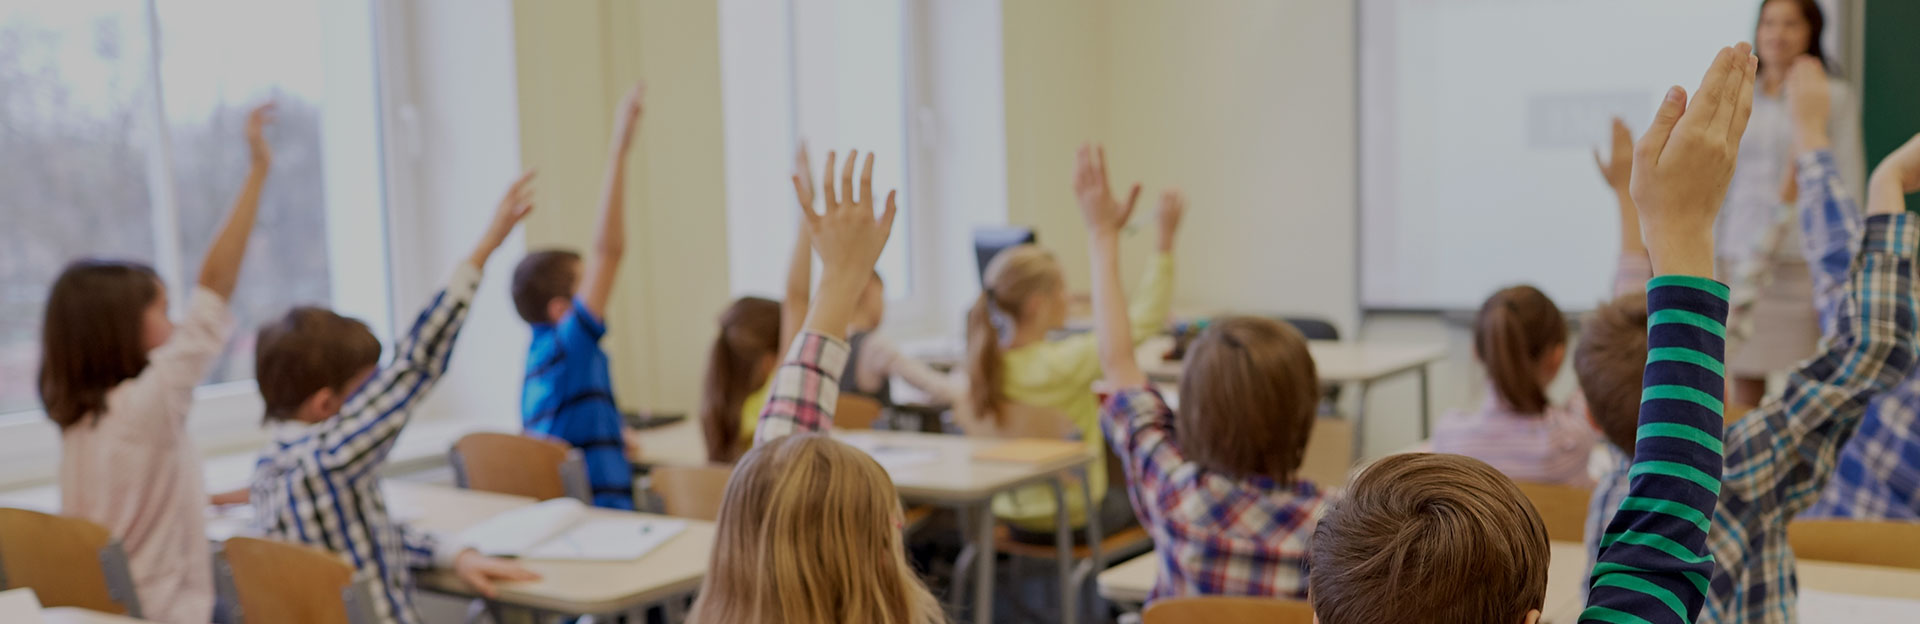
(1516, 329)
(91, 336)
(308, 350)
(749, 332)
(1437, 538)
(1610, 362)
(1247, 398)
(1015, 275)
(539, 278)
(1816, 26)
(809, 533)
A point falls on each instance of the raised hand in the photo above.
(627, 120)
(257, 146)
(1897, 175)
(515, 205)
(1811, 103)
(1104, 215)
(803, 177)
(846, 234)
(1617, 166)
(1683, 163)
(1173, 206)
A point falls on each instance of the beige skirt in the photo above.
(1786, 328)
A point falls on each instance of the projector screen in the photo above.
(1477, 127)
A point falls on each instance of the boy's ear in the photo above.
(318, 405)
(1533, 616)
(557, 308)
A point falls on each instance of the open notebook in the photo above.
(564, 528)
(1818, 607)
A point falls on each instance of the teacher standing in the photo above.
(1785, 327)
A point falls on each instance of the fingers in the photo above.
(1100, 162)
(800, 164)
(1731, 86)
(1707, 102)
(1654, 140)
(846, 178)
(1622, 137)
(886, 218)
(1082, 167)
(800, 194)
(866, 181)
(1133, 198)
(1602, 164)
(479, 582)
(826, 179)
(1743, 101)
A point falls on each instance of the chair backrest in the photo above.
(691, 491)
(1562, 508)
(1313, 328)
(856, 412)
(1228, 610)
(1019, 421)
(504, 463)
(292, 583)
(1867, 542)
(68, 562)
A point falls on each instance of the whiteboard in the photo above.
(1477, 124)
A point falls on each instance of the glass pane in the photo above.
(870, 72)
(73, 175)
(212, 73)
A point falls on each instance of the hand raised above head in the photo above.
(1683, 163)
(1104, 214)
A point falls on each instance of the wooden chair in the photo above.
(1329, 455)
(691, 491)
(504, 463)
(1228, 610)
(287, 583)
(856, 412)
(68, 562)
(1562, 508)
(1865, 542)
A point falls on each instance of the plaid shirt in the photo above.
(805, 390)
(1213, 534)
(316, 485)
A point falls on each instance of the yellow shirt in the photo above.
(750, 413)
(1059, 374)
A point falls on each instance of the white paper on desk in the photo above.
(1818, 607)
(562, 528)
(894, 457)
(20, 606)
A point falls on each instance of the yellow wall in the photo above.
(575, 61)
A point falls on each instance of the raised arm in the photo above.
(793, 308)
(220, 270)
(1829, 216)
(610, 244)
(1105, 216)
(1654, 564)
(849, 239)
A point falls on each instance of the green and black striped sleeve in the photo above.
(1654, 563)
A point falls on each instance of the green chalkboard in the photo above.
(1890, 101)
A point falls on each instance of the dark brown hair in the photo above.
(1247, 398)
(1443, 539)
(1610, 362)
(308, 350)
(1816, 25)
(1013, 277)
(749, 332)
(539, 278)
(1516, 329)
(91, 336)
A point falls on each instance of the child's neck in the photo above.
(1025, 334)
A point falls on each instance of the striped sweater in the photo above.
(1654, 564)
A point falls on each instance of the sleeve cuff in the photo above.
(446, 549)
(826, 352)
(1893, 234)
(1815, 164)
(206, 304)
(464, 281)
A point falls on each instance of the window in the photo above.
(123, 137)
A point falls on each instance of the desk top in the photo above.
(572, 587)
(1335, 361)
(76, 615)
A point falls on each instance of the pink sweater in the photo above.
(134, 470)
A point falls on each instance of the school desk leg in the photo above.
(1095, 560)
(1063, 548)
(983, 565)
(1360, 421)
(1426, 425)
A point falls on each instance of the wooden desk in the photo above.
(76, 615)
(1569, 572)
(565, 587)
(1129, 583)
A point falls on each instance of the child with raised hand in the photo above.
(1520, 336)
(1019, 369)
(118, 376)
(1465, 546)
(569, 392)
(1215, 483)
(774, 559)
(875, 360)
(334, 413)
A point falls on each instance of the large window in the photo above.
(121, 136)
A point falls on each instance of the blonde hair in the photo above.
(1014, 277)
(809, 533)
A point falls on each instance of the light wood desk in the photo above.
(565, 587)
(677, 444)
(1569, 573)
(76, 615)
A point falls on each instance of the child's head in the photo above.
(543, 285)
(1025, 286)
(309, 361)
(1521, 337)
(1430, 537)
(872, 309)
(1609, 362)
(1248, 398)
(743, 355)
(809, 533)
(101, 320)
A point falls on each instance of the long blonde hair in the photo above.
(1015, 276)
(809, 533)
